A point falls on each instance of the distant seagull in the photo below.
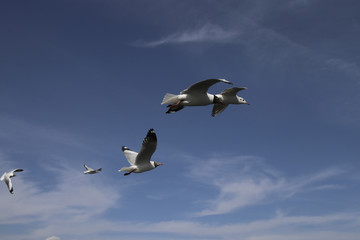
(226, 97)
(140, 162)
(7, 178)
(195, 95)
(90, 170)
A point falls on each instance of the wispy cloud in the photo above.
(76, 206)
(75, 198)
(350, 68)
(253, 183)
(53, 238)
(26, 133)
(322, 226)
(205, 33)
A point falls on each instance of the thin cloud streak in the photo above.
(277, 225)
(64, 201)
(206, 33)
(254, 183)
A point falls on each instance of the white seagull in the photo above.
(90, 170)
(226, 97)
(6, 177)
(195, 95)
(140, 162)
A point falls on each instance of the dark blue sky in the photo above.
(79, 79)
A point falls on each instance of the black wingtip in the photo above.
(124, 148)
(151, 134)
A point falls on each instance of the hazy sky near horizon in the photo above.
(80, 79)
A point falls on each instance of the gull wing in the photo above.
(148, 148)
(3, 176)
(88, 168)
(203, 86)
(218, 108)
(17, 170)
(130, 155)
(7, 180)
(9, 185)
(232, 91)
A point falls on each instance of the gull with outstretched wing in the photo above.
(195, 95)
(6, 177)
(90, 170)
(226, 97)
(140, 162)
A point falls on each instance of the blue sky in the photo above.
(79, 79)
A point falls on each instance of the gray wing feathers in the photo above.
(218, 108)
(9, 185)
(148, 148)
(203, 86)
(232, 91)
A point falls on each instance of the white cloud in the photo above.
(206, 33)
(53, 238)
(76, 198)
(323, 227)
(253, 183)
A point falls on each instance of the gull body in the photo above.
(6, 177)
(90, 170)
(140, 162)
(226, 97)
(195, 95)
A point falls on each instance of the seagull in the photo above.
(140, 162)
(226, 97)
(7, 178)
(195, 95)
(90, 170)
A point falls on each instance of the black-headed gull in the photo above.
(195, 95)
(226, 97)
(140, 162)
(90, 170)
(6, 177)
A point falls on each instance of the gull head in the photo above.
(242, 101)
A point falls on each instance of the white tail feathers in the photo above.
(127, 169)
(169, 98)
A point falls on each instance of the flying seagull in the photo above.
(6, 177)
(195, 95)
(90, 170)
(226, 97)
(140, 162)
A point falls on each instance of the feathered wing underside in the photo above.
(203, 86)
(147, 149)
(130, 155)
(128, 169)
(88, 168)
(9, 185)
(218, 108)
(3, 177)
(232, 91)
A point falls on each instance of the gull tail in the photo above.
(127, 169)
(169, 98)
